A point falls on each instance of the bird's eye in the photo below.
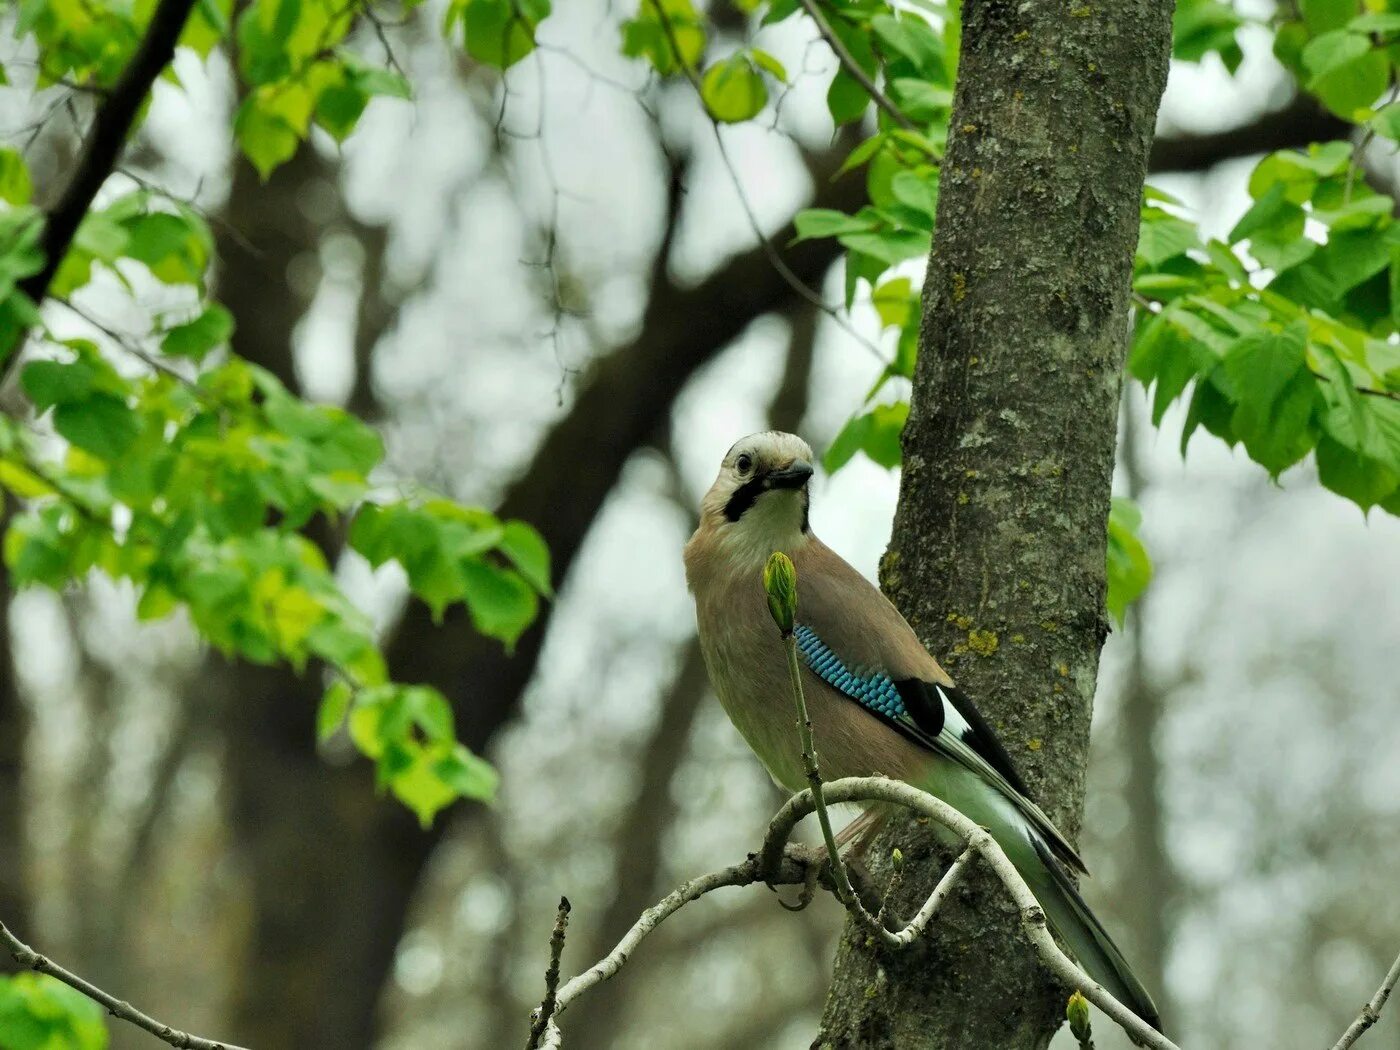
(744, 463)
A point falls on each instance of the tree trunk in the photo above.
(14, 732)
(997, 556)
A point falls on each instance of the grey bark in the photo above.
(997, 556)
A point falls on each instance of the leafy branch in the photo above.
(105, 139)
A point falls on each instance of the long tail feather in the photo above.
(1085, 936)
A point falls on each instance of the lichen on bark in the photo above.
(1008, 460)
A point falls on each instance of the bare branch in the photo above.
(779, 864)
(1295, 126)
(786, 872)
(32, 960)
(1371, 1012)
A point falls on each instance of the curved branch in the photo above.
(979, 841)
(32, 960)
(778, 864)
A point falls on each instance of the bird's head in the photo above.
(759, 501)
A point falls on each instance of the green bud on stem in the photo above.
(780, 581)
(1077, 1013)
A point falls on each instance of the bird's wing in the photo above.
(852, 638)
(928, 714)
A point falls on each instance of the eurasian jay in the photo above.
(878, 702)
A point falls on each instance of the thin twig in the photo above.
(122, 342)
(841, 881)
(849, 63)
(788, 872)
(545, 1014)
(32, 960)
(1371, 1012)
(844, 893)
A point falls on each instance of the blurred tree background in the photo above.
(552, 291)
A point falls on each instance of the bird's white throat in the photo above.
(774, 523)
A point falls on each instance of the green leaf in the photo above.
(1272, 211)
(194, 339)
(914, 40)
(335, 706)
(467, 774)
(1129, 567)
(1329, 273)
(895, 302)
(1324, 15)
(769, 64)
(876, 433)
(1346, 84)
(174, 247)
(101, 424)
(502, 604)
(891, 247)
(1332, 50)
(1203, 27)
(38, 1012)
(659, 24)
(529, 554)
(265, 138)
(1275, 395)
(733, 89)
(1162, 236)
(846, 100)
(811, 223)
(501, 32)
(1359, 478)
(1387, 120)
(50, 383)
(918, 192)
(1383, 22)
(15, 187)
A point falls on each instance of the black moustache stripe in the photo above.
(746, 495)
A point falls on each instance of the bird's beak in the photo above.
(793, 476)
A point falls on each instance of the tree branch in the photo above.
(32, 960)
(104, 142)
(1371, 1012)
(1298, 124)
(778, 865)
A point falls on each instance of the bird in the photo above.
(878, 702)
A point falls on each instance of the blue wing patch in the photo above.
(871, 689)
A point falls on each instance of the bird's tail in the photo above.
(1085, 936)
